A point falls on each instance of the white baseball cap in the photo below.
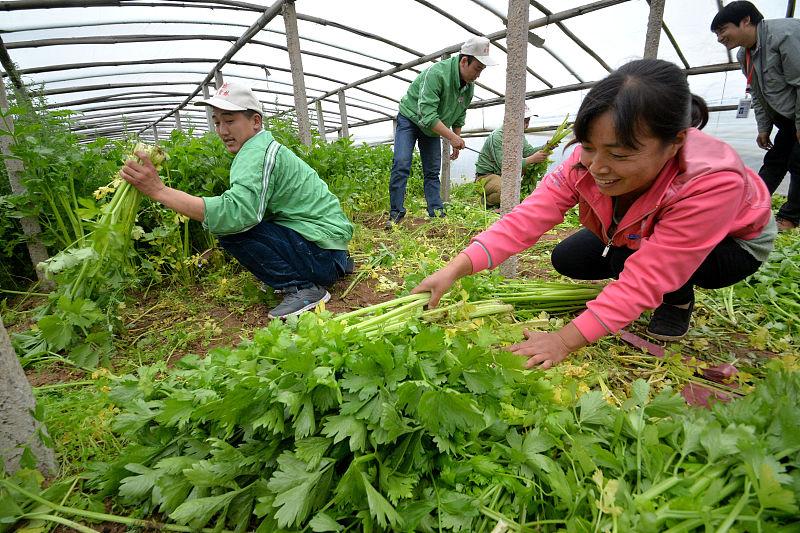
(478, 47)
(529, 112)
(233, 97)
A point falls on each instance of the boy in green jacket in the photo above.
(278, 218)
(434, 106)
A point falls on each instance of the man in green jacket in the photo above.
(434, 106)
(278, 218)
(489, 166)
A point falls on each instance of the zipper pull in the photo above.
(606, 249)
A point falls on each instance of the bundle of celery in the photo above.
(395, 314)
(106, 248)
(535, 171)
(549, 296)
(79, 318)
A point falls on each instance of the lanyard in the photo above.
(748, 67)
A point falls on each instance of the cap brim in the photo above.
(219, 103)
(486, 60)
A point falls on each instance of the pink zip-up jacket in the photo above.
(702, 195)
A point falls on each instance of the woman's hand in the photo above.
(545, 349)
(440, 281)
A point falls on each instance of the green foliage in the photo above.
(308, 425)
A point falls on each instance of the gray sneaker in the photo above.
(298, 301)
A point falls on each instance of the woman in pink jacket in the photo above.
(664, 207)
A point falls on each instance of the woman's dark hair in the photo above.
(644, 96)
(699, 112)
(734, 13)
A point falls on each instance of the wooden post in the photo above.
(445, 176)
(14, 168)
(210, 120)
(321, 122)
(298, 78)
(654, 22)
(178, 125)
(344, 132)
(513, 127)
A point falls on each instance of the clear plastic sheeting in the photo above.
(124, 65)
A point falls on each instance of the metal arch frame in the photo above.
(101, 64)
(474, 31)
(550, 18)
(543, 46)
(112, 86)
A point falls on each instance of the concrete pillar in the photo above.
(155, 134)
(513, 127)
(654, 22)
(321, 122)
(344, 132)
(218, 80)
(178, 125)
(14, 169)
(445, 175)
(210, 120)
(18, 428)
(298, 79)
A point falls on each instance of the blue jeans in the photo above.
(430, 150)
(282, 258)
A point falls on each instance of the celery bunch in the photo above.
(106, 247)
(80, 318)
(535, 172)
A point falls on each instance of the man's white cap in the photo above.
(234, 97)
(529, 112)
(478, 47)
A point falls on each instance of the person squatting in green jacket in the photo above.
(434, 106)
(489, 166)
(278, 218)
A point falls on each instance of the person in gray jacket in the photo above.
(770, 57)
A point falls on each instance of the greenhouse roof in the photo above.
(127, 65)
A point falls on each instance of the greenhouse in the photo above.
(350, 265)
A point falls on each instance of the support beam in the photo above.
(790, 9)
(218, 79)
(538, 23)
(719, 8)
(20, 432)
(513, 127)
(444, 178)
(209, 119)
(321, 122)
(11, 70)
(654, 23)
(155, 133)
(178, 124)
(296, 63)
(269, 13)
(14, 169)
(344, 132)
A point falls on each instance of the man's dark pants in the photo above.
(784, 156)
(406, 135)
(282, 258)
